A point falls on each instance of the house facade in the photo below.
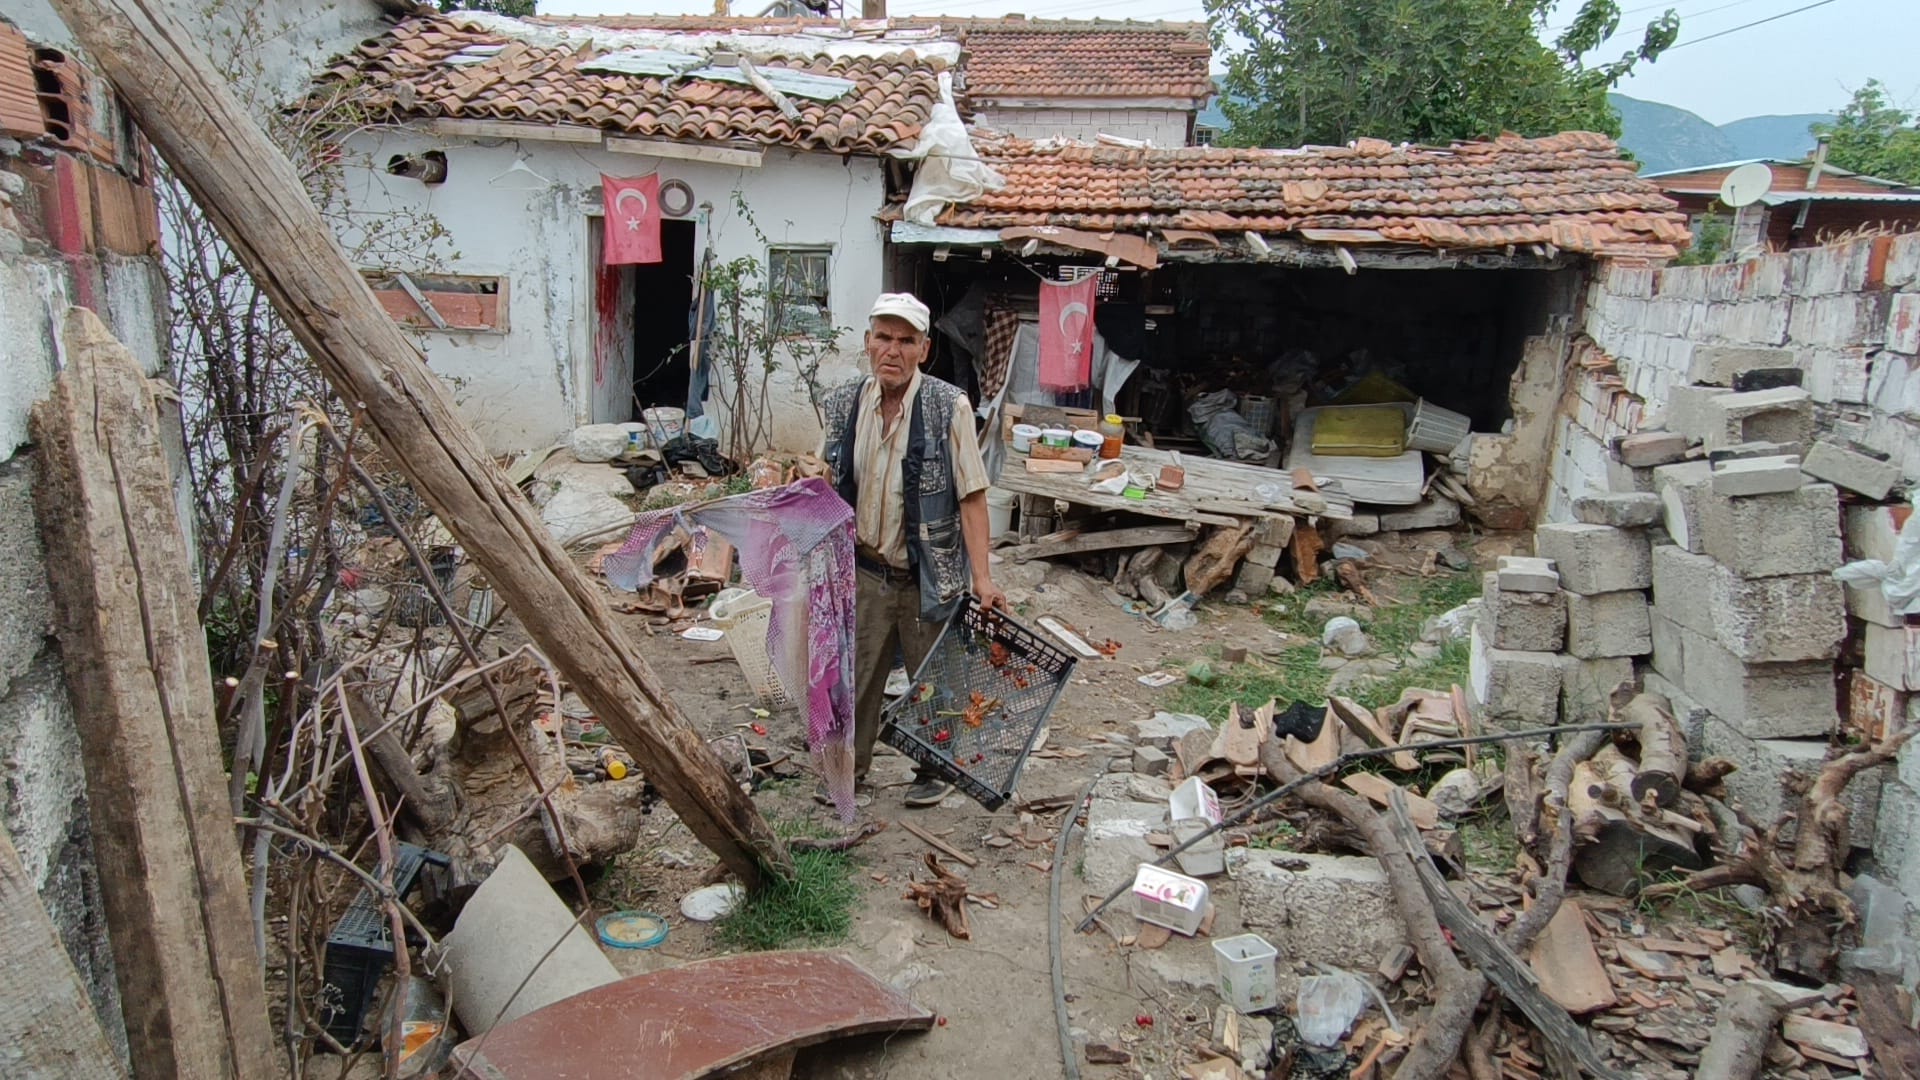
(1805, 204)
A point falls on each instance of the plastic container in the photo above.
(745, 616)
(1194, 799)
(631, 929)
(1024, 436)
(1113, 436)
(1257, 410)
(1087, 440)
(1167, 899)
(999, 511)
(1056, 436)
(665, 422)
(1246, 967)
(1436, 430)
(1204, 859)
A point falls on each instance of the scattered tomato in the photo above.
(942, 736)
(1143, 1020)
(759, 729)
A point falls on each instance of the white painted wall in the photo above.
(530, 386)
(1161, 127)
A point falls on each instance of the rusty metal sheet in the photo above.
(693, 1021)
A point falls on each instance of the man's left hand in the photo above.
(989, 595)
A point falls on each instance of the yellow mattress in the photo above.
(1361, 431)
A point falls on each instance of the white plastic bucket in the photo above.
(999, 511)
(1246, 967)
(665, 422)
(1024, 436)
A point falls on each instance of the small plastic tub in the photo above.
(1024, 436)
(1056, 437)
(1246, 967)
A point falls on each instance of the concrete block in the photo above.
(1757, 476)
(1763, 701)
(1690, 413)
(1357, 525)
(1621, 510)
(1587, 686)
(1328, 908)
(1896, 842)
(1625, 478)
(1683, 586)
(1874, 709)
(1526, 621)
(1740, 451)
(1768, 766)
(1669, 652)
(1682, 488)
(1892, 655)
(1794, 532)
(1903, 324)
(1851, 469)
(1522, 573)
(1595, 559)
(1769, 620)
(1436, 512)
(1646, 449)
(1717, 365)
(1117, 828)
(1608, 624)
(1148, 761)
(1513, 688)
(1783, 415)
(1163, 729)
(1253, 579)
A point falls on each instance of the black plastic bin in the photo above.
(360, 948)
(971, 712)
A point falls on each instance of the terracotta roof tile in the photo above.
(1572, 190)
(411, 71)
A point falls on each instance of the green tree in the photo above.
(1329, 71)
(519, 9)
(1873, 137)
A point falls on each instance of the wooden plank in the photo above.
(191, 989)
(938, 844)
(513, 129)
(1378, 790)
(1569, 969)
(47, 1024)
(1055, 466)
(1106, 540)
(660, 148)
(1068, 638)
(256, 201)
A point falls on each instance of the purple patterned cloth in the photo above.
(796, 549)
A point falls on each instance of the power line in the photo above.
(1746, 26)
(1558, 30)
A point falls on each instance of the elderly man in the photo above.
(901, 448)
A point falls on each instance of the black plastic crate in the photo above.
(971, 712)
(360, 948)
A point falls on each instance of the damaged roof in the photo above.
(1011, 56)
(485, 67)
(1573, 190)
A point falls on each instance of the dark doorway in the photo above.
(662, 303)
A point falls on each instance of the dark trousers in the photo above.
(886, 616)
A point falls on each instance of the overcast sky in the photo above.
(1807, 61)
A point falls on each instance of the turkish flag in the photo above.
(633, 219)
(1066, 334)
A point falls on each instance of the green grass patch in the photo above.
(814, 907)
(1295, 674)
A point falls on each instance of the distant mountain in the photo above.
(1667, 137)
(1785, 137)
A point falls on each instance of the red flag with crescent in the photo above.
(633, 219)
(1066, 334)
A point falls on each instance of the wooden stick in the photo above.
(938, 844)
(191, 986)
(1663, 749)
(251, 193)
(1748, 1018)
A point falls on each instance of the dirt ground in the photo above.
(992, 993)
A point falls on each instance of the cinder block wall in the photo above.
(1161, 127)
(1848, 313)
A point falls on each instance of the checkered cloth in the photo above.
(1003, 327)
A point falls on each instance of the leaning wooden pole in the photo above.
(136, 664)
(248, 189)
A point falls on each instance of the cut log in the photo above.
(256, 201)
(1663, 749)
(1213, 562)
(47, 1024)
(1615, 848)
(1748, 1018)
(135, 656)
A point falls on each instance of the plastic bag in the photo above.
(1899, 580)
(950, 171)
(1327, 1006)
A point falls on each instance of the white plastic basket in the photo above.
(1436, 430)
(745, 616)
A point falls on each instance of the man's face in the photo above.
(894, 350)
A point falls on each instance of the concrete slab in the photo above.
(1522, 573)
(1332, 909)
(1849, 468)
(1587, 687)
(1762, 701)
(1767, 767)
(1163, 729)
(1892, 655)
(1757, 476)
(1646, 449)
(1620, 509)
(1682, 487)
(1437, 512)
(1511, 687)
(1117, 828)
(1767, 620)
(1682, 584)
(1596, 559)
(1716, 365)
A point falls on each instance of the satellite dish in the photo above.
(1746, 184)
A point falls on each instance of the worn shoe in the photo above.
(862, 795)
(927, 791)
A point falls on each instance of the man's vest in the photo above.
(936, 552)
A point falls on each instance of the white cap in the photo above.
(902, 306)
